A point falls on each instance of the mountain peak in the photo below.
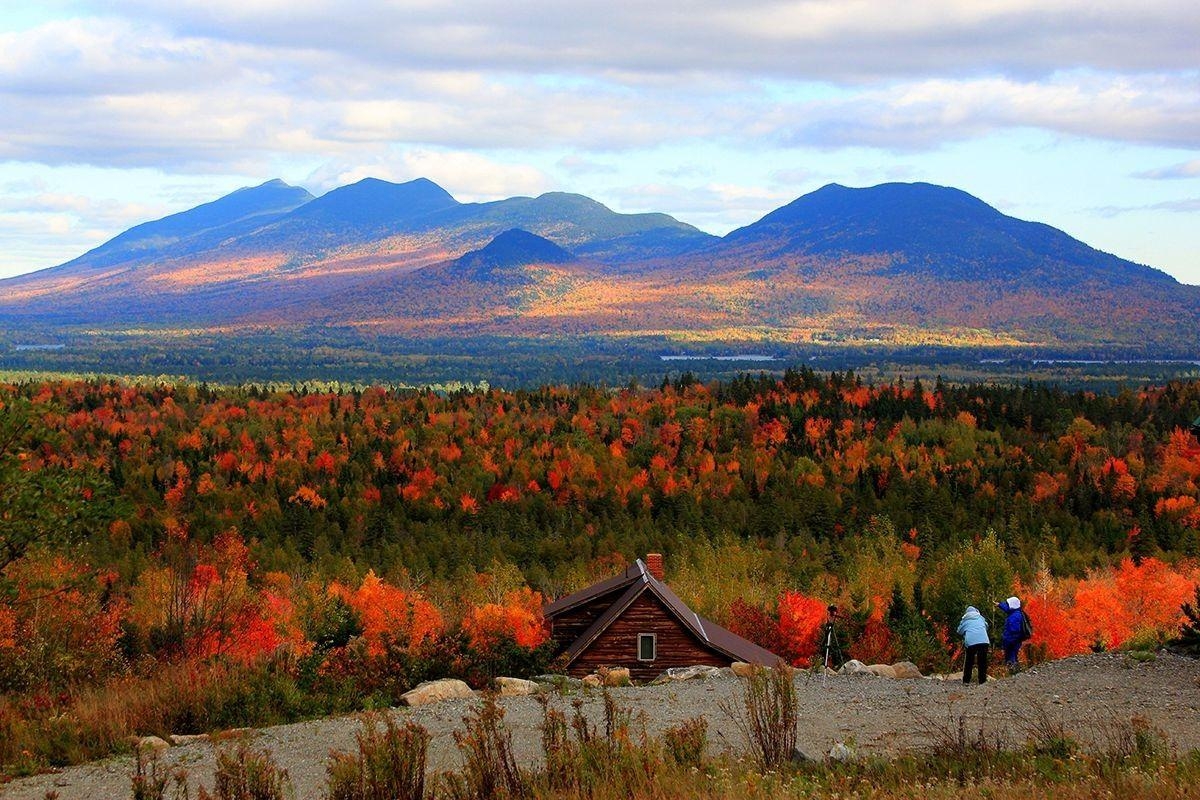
(375, 203)
(939, 231)
(516, 248)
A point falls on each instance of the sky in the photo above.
(1083, 114)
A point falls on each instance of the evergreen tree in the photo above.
(1189, 636)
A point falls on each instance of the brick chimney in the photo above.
(654, 565)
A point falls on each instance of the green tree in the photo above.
(41, 502)
(975, 574)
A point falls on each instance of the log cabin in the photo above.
(634, 620)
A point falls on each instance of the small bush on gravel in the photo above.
(247, 774)
(1046, 730)
(489, 766)
(389, 764)
(580, 756)
(768, 715)
(150, 779)
(687, 741)
(1132, 741)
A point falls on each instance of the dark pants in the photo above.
(977, 654)
(1011, 651)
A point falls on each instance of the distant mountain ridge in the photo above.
(933, 228)
(201, 227)
(894, 263)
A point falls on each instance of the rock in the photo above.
(744, 670)
(592, 680)
(153, 744)
(801, 757)
(882, 670)
(855, 667)
(435, 691)
(516, 687)
(906, 670)
(180, 739)
(841, 752)
(688, 673)
(616, 676)
(558, 681)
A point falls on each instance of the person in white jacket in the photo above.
(974, 630)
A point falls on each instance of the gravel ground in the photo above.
(877, 715)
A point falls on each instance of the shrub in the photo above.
(768, 715)
(150, 779)
(687, 742)
(247, 774)
(389, 764)
(489, 766)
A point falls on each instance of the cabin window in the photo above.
(647, 647)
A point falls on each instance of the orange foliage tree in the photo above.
(519, 619)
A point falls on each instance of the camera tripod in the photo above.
(831, 647)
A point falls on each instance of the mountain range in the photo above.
(894, 264)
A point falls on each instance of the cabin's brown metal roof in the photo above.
(632, 573)
(637, 579)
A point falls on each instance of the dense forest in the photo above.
(284, 553)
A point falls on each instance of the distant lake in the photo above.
(38, 346)
(1089, 361)
(741, 357)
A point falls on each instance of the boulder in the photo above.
(516, 687)
(616, 676)
(180, 739)
(698, 672)
(882, 670)
(744, 670)
(435, 691)
(841, 752)
(557, 681)
(801, 757)
(152, 744)
(592, 680)
(906, 670)
(855, 667)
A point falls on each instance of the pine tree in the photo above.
(1189, 636)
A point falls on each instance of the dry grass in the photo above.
(247, 774)
(389, 764)
(94, 722)
(768, 715)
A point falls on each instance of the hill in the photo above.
(892, 265)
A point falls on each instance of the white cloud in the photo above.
(804, 39)
(1157, 110)
(1186, 169)
(715, 207)
(468, 176)
(579, 165)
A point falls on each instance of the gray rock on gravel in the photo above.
(906, 670)
(152, 744)
(698, 672)
(181, 739)
(841, 752)
(436, 691)
(517, 687)
(855, 667)
(558, 681)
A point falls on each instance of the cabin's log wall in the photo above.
(570, 625)
(617, 646)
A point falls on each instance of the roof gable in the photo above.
(637, 580)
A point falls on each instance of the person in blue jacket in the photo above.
(1014, 630)
(974, 630)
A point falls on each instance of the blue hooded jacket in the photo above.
(1012, 622)
(973, 627)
